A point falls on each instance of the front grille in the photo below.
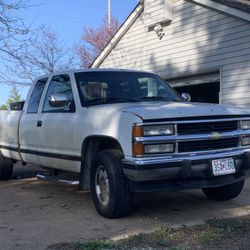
(206, 127)
(204, 145)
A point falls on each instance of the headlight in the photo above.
(153, 130)
(159, 130)
(245, 141)
(141, 149)
(159, 148)
(245, 125)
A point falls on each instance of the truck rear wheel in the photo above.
(6, 168)
(224, 193)
(109, 187)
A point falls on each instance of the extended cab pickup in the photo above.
(124, 131)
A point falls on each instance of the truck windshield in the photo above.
(113, 87)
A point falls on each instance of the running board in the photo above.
(56, 179)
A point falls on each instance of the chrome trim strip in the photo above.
(221, 150)
(192, 137)
(193, 121)
(179, 158)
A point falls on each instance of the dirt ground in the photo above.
(36, 214)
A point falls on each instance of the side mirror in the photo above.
(58, 101)
(186, 97)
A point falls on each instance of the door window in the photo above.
(36, 96)
(60, 84)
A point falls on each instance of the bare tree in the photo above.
(13, 32)
(42, 54)
(95, 39)
(12, 28)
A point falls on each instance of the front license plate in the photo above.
(223, 166)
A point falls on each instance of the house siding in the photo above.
(198, 39)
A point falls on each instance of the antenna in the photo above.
(109, 14)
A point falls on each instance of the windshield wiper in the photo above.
(99, 101)
(157, 98)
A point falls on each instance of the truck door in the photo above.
(58, 128)
(29, 130)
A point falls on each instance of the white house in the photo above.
(199, 46)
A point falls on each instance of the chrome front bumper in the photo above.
(183, 167)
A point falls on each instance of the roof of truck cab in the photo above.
(108, 70)
(91, 70)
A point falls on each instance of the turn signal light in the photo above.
(137, 149)
(137, 131)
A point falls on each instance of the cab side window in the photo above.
(36, 96)
(60, 84)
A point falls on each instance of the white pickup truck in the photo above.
(123, 131)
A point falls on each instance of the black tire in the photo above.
(119, 200)
(6, 168)
(224, 193)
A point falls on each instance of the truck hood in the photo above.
(161, 110)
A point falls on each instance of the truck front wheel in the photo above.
(224, 193)
(6, 168)
(109, 187)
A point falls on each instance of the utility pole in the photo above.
(109, 14)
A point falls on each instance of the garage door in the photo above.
(202, 87)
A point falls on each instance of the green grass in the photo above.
(210, 237)
(178, 247)
(95, 245)
(164, 237)
(217, 230)
(230, 225)
(214, 234)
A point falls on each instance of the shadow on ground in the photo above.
(27, 171)
(36, 214)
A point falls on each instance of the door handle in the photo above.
(39, 124)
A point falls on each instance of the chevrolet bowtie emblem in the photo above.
(215, 136)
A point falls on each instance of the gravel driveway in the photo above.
(35, 214)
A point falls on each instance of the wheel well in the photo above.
(96, 144)
(91, 146)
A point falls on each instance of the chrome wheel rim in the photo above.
(102, 186)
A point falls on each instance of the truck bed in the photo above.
(9, 123)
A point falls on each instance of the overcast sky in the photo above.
(68, 17)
